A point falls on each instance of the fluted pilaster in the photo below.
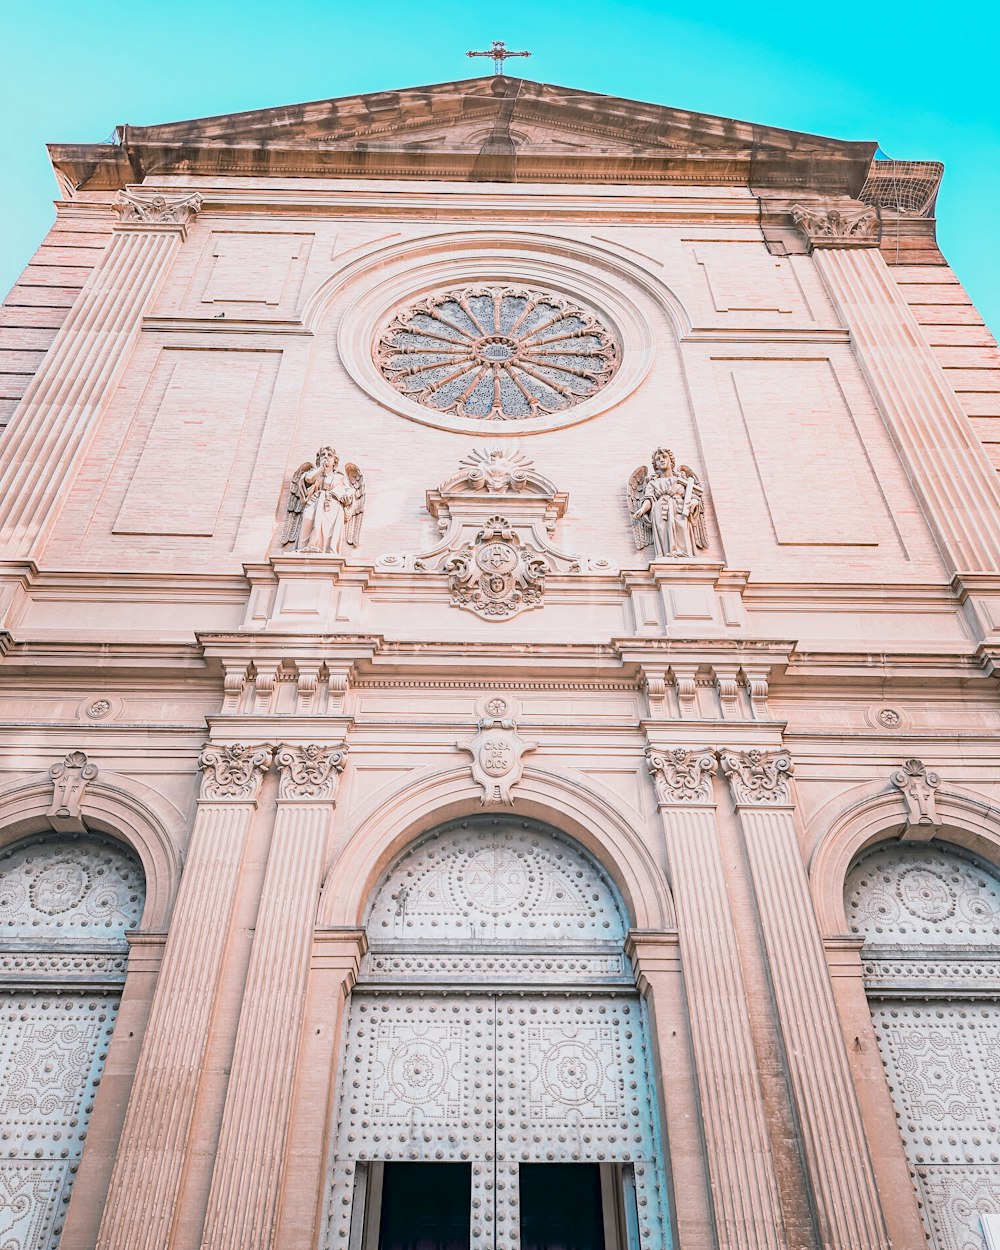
(243, 1202)
(745, 1193)
(52, 426)
(147, 1174)
(836, 1154)
(946, 463)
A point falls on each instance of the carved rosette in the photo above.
(917, 784)
(759, 778)
(837, 227)
(233, 772)
(497, 575)
(682, 776)
(311, 772)
(138, 208)
(70, 777)
(497, 750)
(497, 353)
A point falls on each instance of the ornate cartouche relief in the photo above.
(325, 507)
(496, 353)
(497, 750)
(666, 508)
(496, 515)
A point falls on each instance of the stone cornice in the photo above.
(399, 134)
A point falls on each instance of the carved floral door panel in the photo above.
(497, 1080)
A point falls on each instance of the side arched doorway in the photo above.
(496, 1091)
(66, 904)
(930, 916)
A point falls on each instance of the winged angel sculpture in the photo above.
(665, 507)
(325, 506)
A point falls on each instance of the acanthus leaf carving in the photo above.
(666, 508)
(142, 208)
(70, 777)
(310, 772)
(233, 771)
(918, 784)
(497, 750)
(759, 777)
(837, 227)
(682, 776)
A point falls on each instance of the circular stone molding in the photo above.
(497, 353)
(611, 296)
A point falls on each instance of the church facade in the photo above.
(499, 710)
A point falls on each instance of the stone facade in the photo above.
(500, 630)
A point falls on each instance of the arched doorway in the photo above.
(65, 907)
(930, 917)
(496, 1088)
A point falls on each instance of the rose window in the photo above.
(497, 353)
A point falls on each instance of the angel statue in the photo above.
(325, 506)
(666, 508)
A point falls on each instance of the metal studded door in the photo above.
(496, 1080)
(930, 915)
(496, 1024)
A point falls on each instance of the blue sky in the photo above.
(919, 78)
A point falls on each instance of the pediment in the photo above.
(458, 113)
(540, 131)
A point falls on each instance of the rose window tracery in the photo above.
(497, 353)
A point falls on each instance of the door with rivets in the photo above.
(495, 1024)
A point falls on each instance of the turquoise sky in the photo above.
(919, 78)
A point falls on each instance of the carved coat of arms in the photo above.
(497, 575)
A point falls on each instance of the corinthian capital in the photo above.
(837, 227)
(138, 207)
(682, 776)
(233, 772)
(759, 777)
(310, 772)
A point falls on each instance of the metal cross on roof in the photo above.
(499, 54)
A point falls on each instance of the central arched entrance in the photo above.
(496, 1090)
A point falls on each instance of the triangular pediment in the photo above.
(443, 130)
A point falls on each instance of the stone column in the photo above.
(243, 1201)
(745, 1193)
(946, 463)
(147, 1173)
(336, 961)
(836, 1154)
(53, 424)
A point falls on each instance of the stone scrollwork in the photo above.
(496, 575)
(142, 208)
(836, 227)
(497, 750)
(682, 776)
(70, 777)
(666, 508)
(917, 784)
(310, 772)
(759, 778)
(233, 771)
(496, 353)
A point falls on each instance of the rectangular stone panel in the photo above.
(200, 423)
(807, 453)
(253, 267)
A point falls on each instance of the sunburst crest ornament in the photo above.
(497, 353)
